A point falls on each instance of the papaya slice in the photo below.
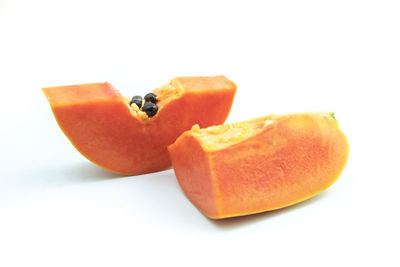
(259, 165)
(120, 137)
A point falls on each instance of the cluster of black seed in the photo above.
(149, 106)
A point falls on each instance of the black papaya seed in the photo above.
(150, 97)
(138, 100)
(150, 109)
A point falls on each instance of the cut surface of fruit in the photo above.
(259, 165)
(113, 132)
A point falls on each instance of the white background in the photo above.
(58, 209)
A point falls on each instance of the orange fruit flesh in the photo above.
(259, 165)
(99, 122)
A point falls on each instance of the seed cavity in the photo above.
(149, 106)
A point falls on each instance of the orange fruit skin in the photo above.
(101, 125)
(287, 159)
